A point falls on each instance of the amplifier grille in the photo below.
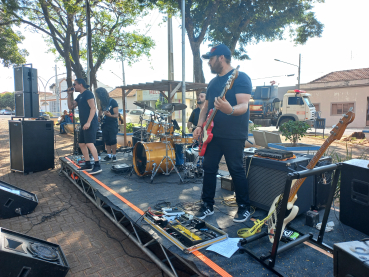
(265, 184)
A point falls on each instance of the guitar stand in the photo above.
(268, 260)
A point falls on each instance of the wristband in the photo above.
(232, 111)
(199, 127)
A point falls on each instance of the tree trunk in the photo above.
(197, 64)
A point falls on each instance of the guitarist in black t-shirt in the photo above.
(109, 123)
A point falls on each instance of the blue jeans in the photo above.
(232, 149)
(62, 130)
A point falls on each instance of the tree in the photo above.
(63, 25)
(242, 22)
(7, 100)
(10, 54)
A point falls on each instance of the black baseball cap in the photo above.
(218, 50)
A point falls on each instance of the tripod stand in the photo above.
(166, 158)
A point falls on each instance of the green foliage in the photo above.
(158, 103)
(76, 119)
(63, 24)
(129, 127)
(7, 101)
(10, 54)
(294, 130)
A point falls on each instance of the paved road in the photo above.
(81, 229)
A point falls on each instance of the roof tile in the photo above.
(345, 75)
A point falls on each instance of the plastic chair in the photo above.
(319, 124)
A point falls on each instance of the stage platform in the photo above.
(125, 198)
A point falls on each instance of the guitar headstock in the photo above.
(340, 128)
(231, 78)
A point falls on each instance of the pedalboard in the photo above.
(186, 231)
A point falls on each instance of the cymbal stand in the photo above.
(166, 158)
(141, 119)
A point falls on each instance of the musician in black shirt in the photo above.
(109, 123)
(194, 117)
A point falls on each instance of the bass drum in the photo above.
(146, 154)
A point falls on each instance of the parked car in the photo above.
(133, 116)
(4, 111)
(121, 111)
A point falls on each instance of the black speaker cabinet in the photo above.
(267, 179)
(351, 259)
(25, 79)
(26, 104)
(15, 201)
(31, 145)
(24, 256)
(354, 195)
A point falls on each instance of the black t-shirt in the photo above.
(228, 126)
(111, 121)
(194, 117)
(84, 108)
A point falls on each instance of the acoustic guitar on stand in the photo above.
(336, 134)
(207, 135)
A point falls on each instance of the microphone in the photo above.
(66, 90)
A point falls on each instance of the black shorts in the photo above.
(109, 135)
(88, 136)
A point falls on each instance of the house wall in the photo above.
(327, 95)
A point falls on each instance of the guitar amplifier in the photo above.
(351, 259)
(267, 179)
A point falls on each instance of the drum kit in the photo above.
(155, 153)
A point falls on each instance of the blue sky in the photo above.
(343, 46)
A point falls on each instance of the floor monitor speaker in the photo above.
(25, 256)
(350, 259)
(267, 179)
(31, 145)
(15, 201)
(354, 195)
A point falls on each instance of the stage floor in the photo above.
(132, 194)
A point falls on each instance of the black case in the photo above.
(354, 194)
(267, 179)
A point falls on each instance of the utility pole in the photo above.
(170, 49)
(88, 37)
(124, 103)
(298, 81)
(183, 67)
(57, 89)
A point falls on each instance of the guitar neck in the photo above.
(311, 165)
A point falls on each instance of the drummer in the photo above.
(194, 117)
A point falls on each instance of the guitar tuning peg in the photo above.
(333, 133)
(341, 121)
(345, 116)
(335, 127)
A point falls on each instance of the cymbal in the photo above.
(173, 106)
(163, 113)
(143, 106)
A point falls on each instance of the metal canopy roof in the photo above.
(165, 85)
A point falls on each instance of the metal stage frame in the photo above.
(139, 236)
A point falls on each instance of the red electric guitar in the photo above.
(208, 125)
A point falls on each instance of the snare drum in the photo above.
(146, 154)
(169, 127)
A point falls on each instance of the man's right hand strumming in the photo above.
(197, 132)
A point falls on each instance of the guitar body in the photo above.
(207, 134)
(272, 221)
